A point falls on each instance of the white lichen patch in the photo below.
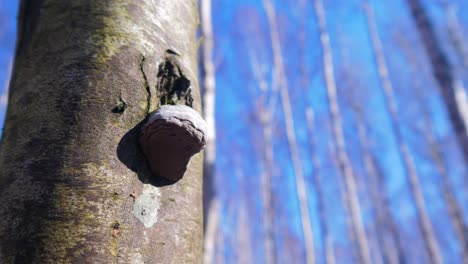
(137, 258)
(147, 205)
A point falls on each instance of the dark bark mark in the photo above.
(173, 87)
(120, 107)
(172, 52)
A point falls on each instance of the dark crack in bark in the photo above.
(147, 86)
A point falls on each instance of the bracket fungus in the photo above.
(170, 137)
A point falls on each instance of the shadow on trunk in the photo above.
(130, 154)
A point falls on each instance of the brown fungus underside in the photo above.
(172, 135)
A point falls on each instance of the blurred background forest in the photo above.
(341, 129)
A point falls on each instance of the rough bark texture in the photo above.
(74, 184)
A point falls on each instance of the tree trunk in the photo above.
(385, 223)
(455, 212)
(75, 187)
(454, 96)
(343, 161)
(290, 133)
(265, 111)
(430, 240)
(210, 201)
(455, 32)
(317, 180)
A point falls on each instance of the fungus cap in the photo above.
(172, 135)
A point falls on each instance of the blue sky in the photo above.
(242, 41)
(8, 10)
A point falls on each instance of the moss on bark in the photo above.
(70, 165)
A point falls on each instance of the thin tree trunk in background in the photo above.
(436, 154)
(343, 196)
(219, 247)
(291, 137)
(392, 253)
(431, 244)
(375, 242)
(380, 250)
(340, 144)
(455, 33)
(454, 95)
(454, 209)
(457, 40)
(211, 232)
(208, 102)
(243, 238)
(390, 221)
(322, 210)
(265, 115)
(74, 184)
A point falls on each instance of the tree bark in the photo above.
(74, 184)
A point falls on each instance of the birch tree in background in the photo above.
(455, 33)
(212, 232)
(244, 239)
(210, 201)
(436, 155)
(458, 42)
(265, 114)
(344, 164)
(430, 240)
(316, 177)
(453, 93)
(378, 246)
(350, 230)
(280, 75)
(74, 183)
(387, 233)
